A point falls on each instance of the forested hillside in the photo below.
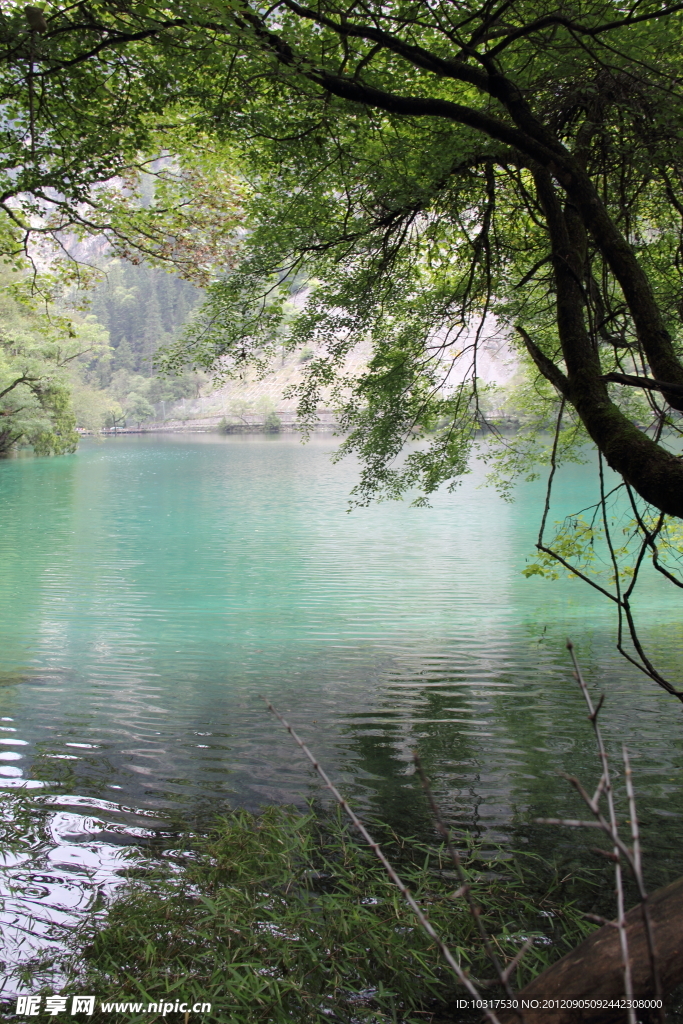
(86, 361)
(141, 308)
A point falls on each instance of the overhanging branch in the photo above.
(20, 380)
(649, 383)
(547, 367)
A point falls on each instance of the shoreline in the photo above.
(289, 424)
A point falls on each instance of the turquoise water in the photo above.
(154, 586)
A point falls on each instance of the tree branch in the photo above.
(20, 380)
(551, 20)
(416, 55)
(546, 366)
(535, 143)
(649, 383)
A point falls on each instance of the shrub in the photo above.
(272, 423)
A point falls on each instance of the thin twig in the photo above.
(514, 964)
(619, 850)
(613, 832)
(638, 872)
(407, 895)
(503, 975)
(551, 475)
(635, 836)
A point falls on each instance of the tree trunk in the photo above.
(594, 970)
(656, 474)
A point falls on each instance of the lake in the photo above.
(153, 587)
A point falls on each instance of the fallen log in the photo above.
(594, 970)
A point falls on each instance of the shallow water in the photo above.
(153, 587)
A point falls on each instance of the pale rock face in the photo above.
(247, 400)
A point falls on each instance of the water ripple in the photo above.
(153, 588)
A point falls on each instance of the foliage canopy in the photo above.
(36, 350)
(414, 173)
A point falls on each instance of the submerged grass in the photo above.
(282, 917)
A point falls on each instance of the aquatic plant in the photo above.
(284, 916)
(281, 916)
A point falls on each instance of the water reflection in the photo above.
(152, 588)
(66, 862)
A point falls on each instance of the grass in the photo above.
(282, 917)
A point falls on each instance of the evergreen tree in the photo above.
(142, 308)
(152, 330)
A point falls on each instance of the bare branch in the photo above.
(503, 975)
(461, 975)
(648, 383)
(612, 832)
(637, 870)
